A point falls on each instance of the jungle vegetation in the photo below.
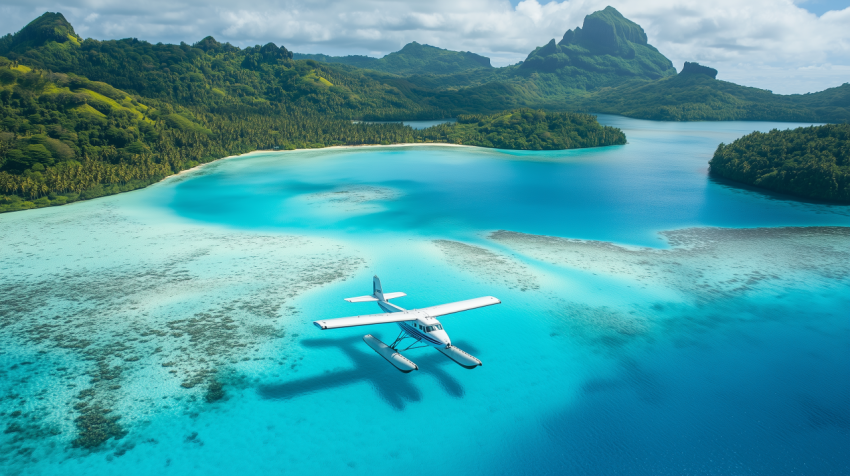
(811, 162)
(67, 138)
(700, 97)
(413, 58)
(81, 118)
(526, 129)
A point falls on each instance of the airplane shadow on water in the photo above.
(393, 387)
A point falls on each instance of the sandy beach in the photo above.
(416, 144)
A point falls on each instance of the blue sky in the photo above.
(819, 7)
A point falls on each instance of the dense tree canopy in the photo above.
(413, 58)
(527, 129)
(64, 137)
(812, 162)
(699, 97)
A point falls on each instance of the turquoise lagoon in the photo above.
(654, 320)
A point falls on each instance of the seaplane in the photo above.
(419, 327)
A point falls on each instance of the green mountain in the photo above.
(48, 28)
(412, 59)
(604, 66)
(694, 95)
(210, 74)
(606, 50)
(359, 61)
(696, 68)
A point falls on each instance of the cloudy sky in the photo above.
(787, 46)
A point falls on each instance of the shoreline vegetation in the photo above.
(83, 118)
(53, 179)
(809, 162)
(351, 146)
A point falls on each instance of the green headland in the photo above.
(810, 162)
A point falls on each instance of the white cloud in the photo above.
(772, 44)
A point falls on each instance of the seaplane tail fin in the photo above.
(365, 320)
(377, 290)
(453, 307)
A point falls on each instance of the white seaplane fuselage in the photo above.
(424, 328)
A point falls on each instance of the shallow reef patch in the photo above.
(488, 265)
(106, 318)
(702, 263)
(355, 199)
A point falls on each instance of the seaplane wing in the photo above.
(453, 307)
(366, 320)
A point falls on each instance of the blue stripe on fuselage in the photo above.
(418, 334)
(415, 332)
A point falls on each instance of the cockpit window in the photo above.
(439, 327)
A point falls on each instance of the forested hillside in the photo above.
(812, 162)
(159, 109)
(526, 129)
(66, 138)
(699, 97)
(413, 58)
(607, 65)
(212, 75)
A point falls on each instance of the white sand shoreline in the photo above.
(414, 144)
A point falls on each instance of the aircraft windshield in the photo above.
(438, 327)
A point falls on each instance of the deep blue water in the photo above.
(725, 350)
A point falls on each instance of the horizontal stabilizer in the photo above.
(366, 320)
(452, 307)
(387, 297)
(362, 299)
(399, 361)
(460, 357)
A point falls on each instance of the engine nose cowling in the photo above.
(442, 337)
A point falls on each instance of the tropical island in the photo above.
(82, 118)
(526, 129)
(811, 162)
